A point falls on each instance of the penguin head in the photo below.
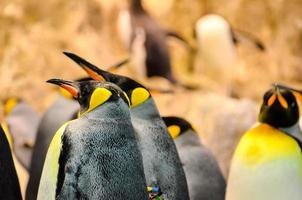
(136, 92)
(177, 126)
(279, 108)
(63, 92)
(91, 94)
(9, 104)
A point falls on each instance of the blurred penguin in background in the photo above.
(20, 126)
(22, 122)
(204, 177)
(217, 51)
(9, 184)
(146, 41)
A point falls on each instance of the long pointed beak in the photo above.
(118, 65)
(70, 86)
(93, 71)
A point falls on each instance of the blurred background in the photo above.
(34, 33)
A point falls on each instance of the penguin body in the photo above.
(146, 41)
(9, 184)
(204, 177)
(215, 48)
(161, 162)
(267, 163)
(162, 165)
(22, 122)
(62, 110)
(95, 156)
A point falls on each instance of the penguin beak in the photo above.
(70, 86)
(93, 71)
(116, 66)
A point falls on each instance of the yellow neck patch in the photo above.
(7, 134)
(65, 93)
(174, 131)
(98, 97)
(9, 105)
(138, 96)
(264, 143)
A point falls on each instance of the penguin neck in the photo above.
(109, 110)
(294, 131)
(188, 138)
(146, 110)
(136, 7)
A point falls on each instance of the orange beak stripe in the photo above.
(93, 74)
(74, 92)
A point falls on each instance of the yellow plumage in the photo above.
(267, 164)
(48, 182)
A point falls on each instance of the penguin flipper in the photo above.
(49, 177)
(237, 34)
(173, 34)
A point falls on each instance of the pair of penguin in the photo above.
(159, 159)
(267, 163)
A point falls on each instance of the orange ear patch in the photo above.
(282, 101)
(271, 100)
(298, 96)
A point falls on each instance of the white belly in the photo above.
(275, 180)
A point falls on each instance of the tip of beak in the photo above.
(67, 53)
(54, 81)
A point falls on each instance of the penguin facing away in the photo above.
(162, 165)
(204, 177)
(147, 42)
(64, 109)
(9, 183)
(267, 163)
(95, 156)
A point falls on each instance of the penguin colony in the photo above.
(104, 138)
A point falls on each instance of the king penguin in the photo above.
(9, 183)
(161, 161)
(95, 156)
(64, 108)
(22, 121)
(204, 177)
(267, 163)
(146, 41)
(216, 47)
